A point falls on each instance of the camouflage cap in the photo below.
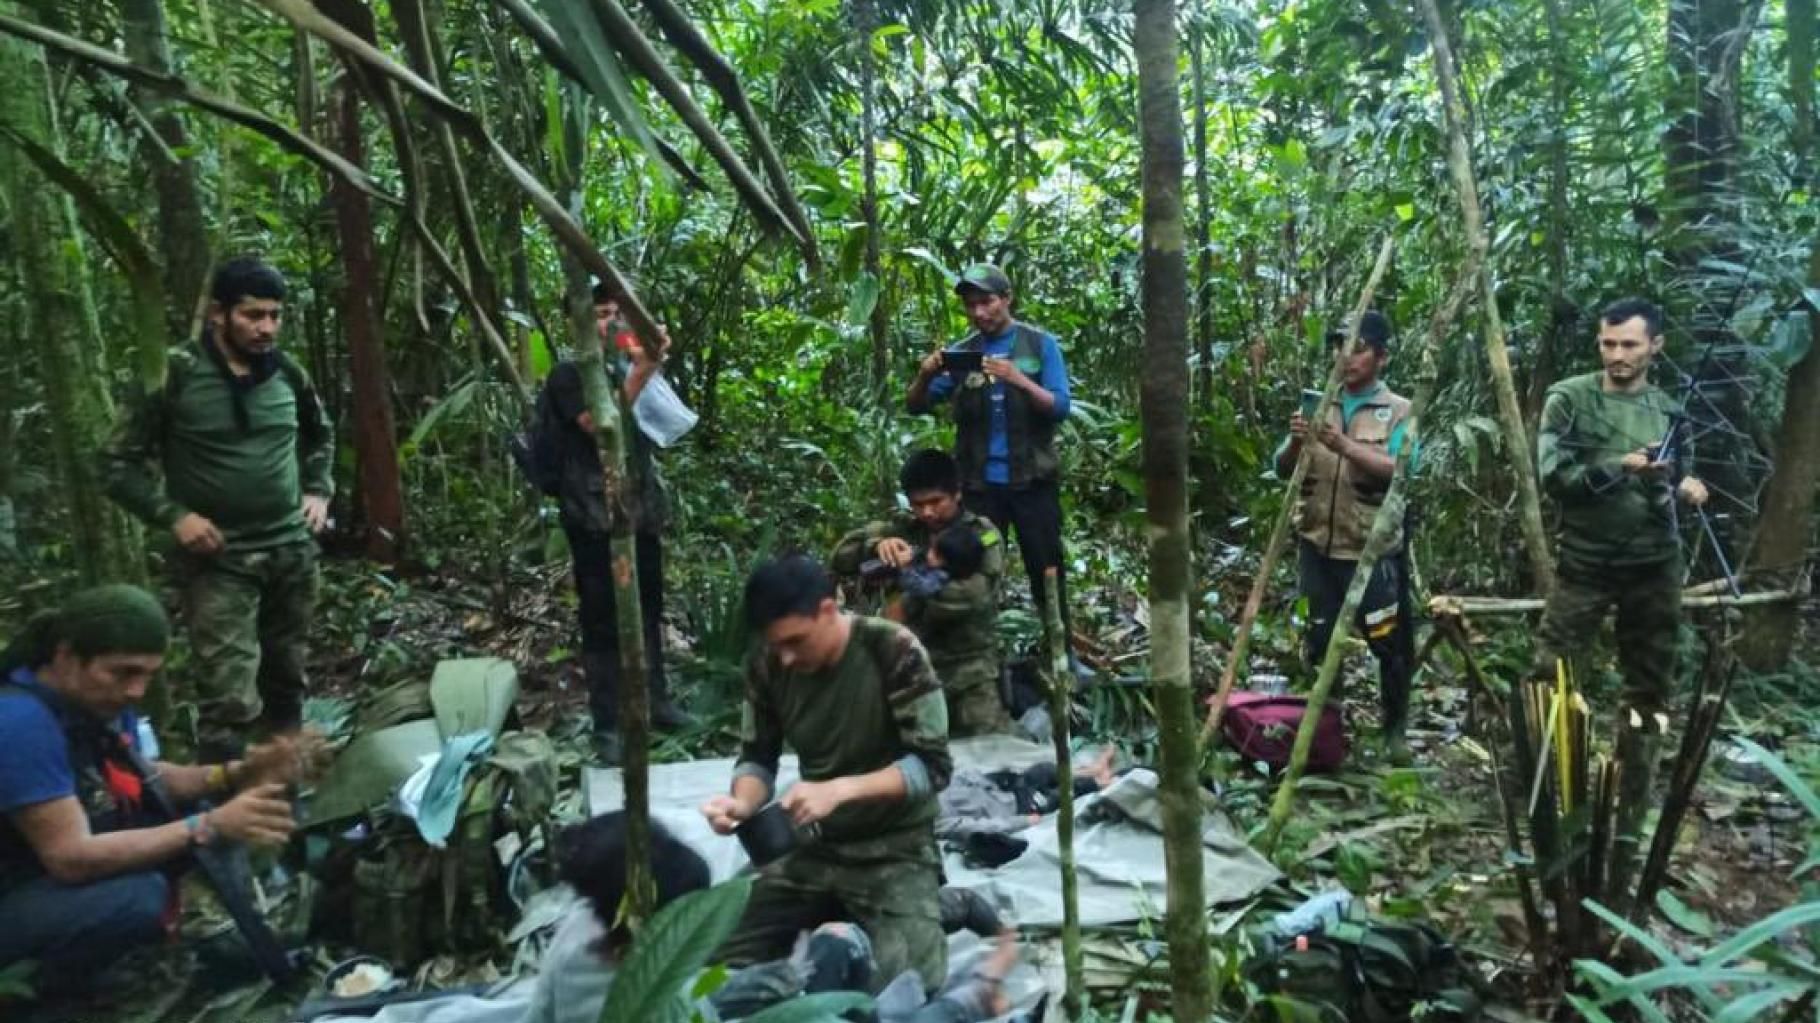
(983, 277)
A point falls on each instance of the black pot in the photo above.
(767, 835)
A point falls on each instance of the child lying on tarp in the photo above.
(982, 810)
(578, 968)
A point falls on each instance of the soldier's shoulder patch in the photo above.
(988, 537)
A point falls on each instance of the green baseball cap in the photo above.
(983, 277)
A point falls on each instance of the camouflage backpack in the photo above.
(412, 901)
(1366, 970)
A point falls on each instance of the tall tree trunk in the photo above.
(1786, 525)
(865, 17)
(1561, 312)
(1203, 227)
(1701, 149)
(182, 235)
(375, 437)
(1164, 415)
(1801, 27)
(614, 421)
(1510, 416)
(60, 323)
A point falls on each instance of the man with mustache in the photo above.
(234, 457)
(1598, 452)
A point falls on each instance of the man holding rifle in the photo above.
(87, 857)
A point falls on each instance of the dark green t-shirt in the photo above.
(880, 703)
(1607, 516)
(249, 482)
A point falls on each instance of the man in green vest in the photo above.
(959, 623)
(858, 702)
(1599, 455)
(1349, 473)
(234, 457)
(1005, 417)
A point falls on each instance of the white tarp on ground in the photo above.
(1118, 841)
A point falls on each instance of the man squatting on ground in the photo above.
(87, 869)
(858, 701)
(957, 623)
(1598, 451)
(233, 456)
(1349, 474)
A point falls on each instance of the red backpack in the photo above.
(1262, 726)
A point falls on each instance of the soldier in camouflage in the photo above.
(958, 624)
(858, 702)
(1598, 456)
(234, 456)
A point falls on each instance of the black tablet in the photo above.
(961, 363)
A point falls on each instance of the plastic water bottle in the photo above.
(1325, 908)
(148, 741)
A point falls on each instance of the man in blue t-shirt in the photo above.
(1006, 413)
(85, 860)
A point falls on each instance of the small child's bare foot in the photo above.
(1101, 769)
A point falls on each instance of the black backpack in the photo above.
(1366, 970)
(538, 447)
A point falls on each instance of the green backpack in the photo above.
(1366, 970)
(412, 902)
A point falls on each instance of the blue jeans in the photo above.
(75, 931)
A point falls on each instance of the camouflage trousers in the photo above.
(889, 886)
(975, 706)
(248, 614)
(1648, 603)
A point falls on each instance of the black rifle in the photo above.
(222, 869)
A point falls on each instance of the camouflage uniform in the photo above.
(958, 626)
(241, 453)
(874, 864)
(1618, 547)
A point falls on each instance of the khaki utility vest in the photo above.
(1338, 501)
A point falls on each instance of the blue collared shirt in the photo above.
(1053, 378)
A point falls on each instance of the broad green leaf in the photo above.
(863, 298)
(1803, 793)
(671, 949)
(587, 48)
(1406, 211)
(1682, 915)
(933, 260)
(1766, 929)
(452, 404)
(1755, 1005)
(1791, 338)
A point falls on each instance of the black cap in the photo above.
(983, 277)
(1374, 330)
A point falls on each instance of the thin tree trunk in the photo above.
(415, 30)
(53, 271)
(1203, 227)
(613, 421)
(1384, 527)
(1801, 26)
(1164, 416)
(865, 16)
(1510, 417)
(1061, 719)
(182, 235)
(375, 437)
(1561, 312)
